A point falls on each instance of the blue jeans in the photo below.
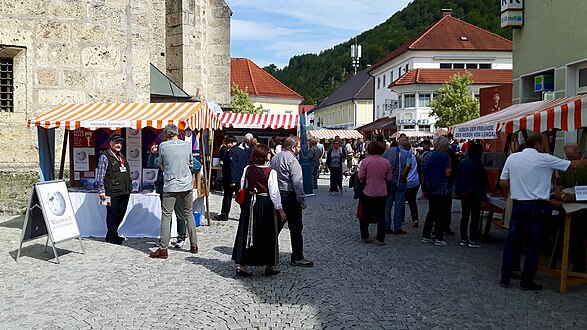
(531, 216)
(399, 198)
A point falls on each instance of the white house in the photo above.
(424, 63)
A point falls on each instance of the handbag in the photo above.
(358, 187)
(242, 193)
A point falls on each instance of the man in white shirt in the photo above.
(528, 174)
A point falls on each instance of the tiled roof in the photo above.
(357, 87)
(440, 76)
(305, 108)
(448, 34)
(256, 81)
(381, 123)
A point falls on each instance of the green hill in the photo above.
(315, 76)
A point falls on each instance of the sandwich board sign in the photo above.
(50, 214)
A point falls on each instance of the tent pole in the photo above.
(62, 165)
(204, 176)
(583, 138)
(46, 131)
(211, 148)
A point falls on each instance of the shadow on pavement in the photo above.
(16, 222)
(37, 251)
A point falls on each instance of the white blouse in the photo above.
(272, 185)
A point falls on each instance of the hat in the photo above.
(116, 137)
(230, 138)
(248, 136)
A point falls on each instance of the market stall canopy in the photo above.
(263, 121)
(562, 113)
(440, 131)
(411, 134)
(192, 115)
(385, 123)
(331, 133)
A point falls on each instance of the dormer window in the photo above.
(464, 38)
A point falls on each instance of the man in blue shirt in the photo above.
(401, 164)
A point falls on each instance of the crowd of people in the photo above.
(387, 175)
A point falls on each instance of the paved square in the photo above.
(402, 285)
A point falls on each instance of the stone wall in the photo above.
(88, 51)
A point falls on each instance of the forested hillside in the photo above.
(315, 76)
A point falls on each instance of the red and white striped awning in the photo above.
(332, 133)
(567, 114)
(192, 115)
(248, 120)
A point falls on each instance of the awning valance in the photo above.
(331, 133)
(192, 115)
(412, 134)
(262, 121)
(565, 113)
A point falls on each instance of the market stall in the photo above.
(412, 134)
(332, 133)
(88, 128)
(385, 126)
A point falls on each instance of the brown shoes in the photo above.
(194, 248)
(159, 254)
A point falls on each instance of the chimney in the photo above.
(446, 12)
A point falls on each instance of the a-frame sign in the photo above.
(50, 213)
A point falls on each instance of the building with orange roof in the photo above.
(263, 89)
(407, 79)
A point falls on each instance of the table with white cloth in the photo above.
(142, 217)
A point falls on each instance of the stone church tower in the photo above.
(87, 51)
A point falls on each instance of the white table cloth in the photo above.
(142, 217)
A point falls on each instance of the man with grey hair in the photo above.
(293, 198)
(401, 164)
(435, 172)
(176, 160)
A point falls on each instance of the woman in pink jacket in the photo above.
(376, 170)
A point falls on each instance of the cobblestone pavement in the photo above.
(402, 285)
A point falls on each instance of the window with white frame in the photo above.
(424, 128)
(424, 99)
(409, 100)
(409, 127)
(582, 80)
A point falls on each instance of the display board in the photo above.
(50, 213)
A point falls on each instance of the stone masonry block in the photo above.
(47, 77)
(23, 8)
(103, 57)
(58, 54)
(79, 79)
(67, 9)
(53, 30)
(55, 97)
(88, 33)
(110, 80)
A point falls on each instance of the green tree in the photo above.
(241, 103)
(455, 104)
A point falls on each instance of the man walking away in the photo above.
(435, 172)
(234, 162)
(471, 186)
(113, 177)
(293, 199)
(314, 157)
(175, 158)
(401, 164)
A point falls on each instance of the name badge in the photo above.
(122, 169)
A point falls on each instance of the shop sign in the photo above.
(413, 121)
(475, 132)
(512, 18)
(511, 4)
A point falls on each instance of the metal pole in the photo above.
(204, 177)
(62, 165)
(49, 153)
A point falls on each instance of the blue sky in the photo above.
(272, 31)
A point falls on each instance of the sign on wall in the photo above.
(512, 13)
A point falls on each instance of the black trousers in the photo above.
(114, 214)
(335, 179)
(293, 212)
(471, 208)
(227, 198)
(373, 206)
(438, 209)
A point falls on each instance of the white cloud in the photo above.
(247, 30)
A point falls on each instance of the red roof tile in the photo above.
(440, 76)
(446, 34)
(305, 108)
(256, 81)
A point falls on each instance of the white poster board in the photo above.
(581, 193)
(50, 213)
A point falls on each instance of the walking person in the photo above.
(334, 159)
(435, 172)
(234, 162)
(314, 157)
(176, 161)
(258, 229)
(293, 199)
(401, 164)
(375, 173)
(528, 174)
(412, 184)
(113, 177)
(471, 186)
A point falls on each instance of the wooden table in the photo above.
(567, 277)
